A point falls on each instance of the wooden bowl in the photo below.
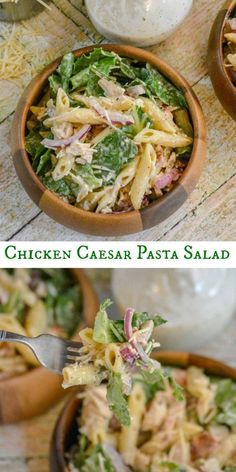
(108, 224)
(32, 393)
(66, 430)
(223, 86)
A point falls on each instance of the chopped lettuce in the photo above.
(140, 318)
(102, 332)
(65, 187)
(96, 461)
(14, 305)
(161, 88)
(141, 120)
(225, 400)
(33, 144)
(172, 467)
(87, 174)
(112, 154)
(117, 401)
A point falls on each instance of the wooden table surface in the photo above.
(207, 215)
(24, 447)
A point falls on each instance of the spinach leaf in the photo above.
(14, 305)
(225, 400)
(44, 163)
(87, 174)
(230, 468)
(68, 309)
(117, 401)
(141, 120)
(112, 154)
(64, 187)
(178, 392)
(97, 461)
(54, 84)
(161, 88)
(93, 57)
(65, 69)
(117, 328)
(80, 80)
(140, 318)
(63, 300)
(126, 68)
(153, 378)
(33, 144)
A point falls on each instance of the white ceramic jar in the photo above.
(138, 22)
(196, 303)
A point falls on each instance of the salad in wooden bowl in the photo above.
(109, 140)
(32, 302)
(194, 433)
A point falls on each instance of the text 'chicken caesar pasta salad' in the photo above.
(32, 302)
(116, 351)
(197, 434)
(230, 46)
(111, 134)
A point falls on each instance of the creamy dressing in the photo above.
(139, 22)
(196, 303)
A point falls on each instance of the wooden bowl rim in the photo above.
(215, 59)
(90, 308)
(171, 358)
(229, 10)
(196, 114)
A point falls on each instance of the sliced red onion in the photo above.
(128, 323)
(112, 117)
(115, 458)
(110, 88)
(128, 355)
(140, 351)
(167, 179)
(136, 90)
(58, 143)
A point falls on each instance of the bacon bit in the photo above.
(203, 446)
(166, 179)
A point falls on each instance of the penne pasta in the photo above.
(162, 138)
(145, 169)
(159, 117)
(79, 375)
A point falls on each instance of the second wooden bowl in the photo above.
(108, 224)
(66, 430)
(32, 393)
(224, 88)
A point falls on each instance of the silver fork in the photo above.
(52, 352)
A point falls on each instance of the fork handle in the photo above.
(13, 337)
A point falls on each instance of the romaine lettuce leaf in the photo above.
(33, 144)
(97, 461)
(141, 120)
(112, 154)
(225, 400)
(117, 401)
(161, 88)
(102, 332)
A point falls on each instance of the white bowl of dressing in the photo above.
(137, 22)
(197, 303)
